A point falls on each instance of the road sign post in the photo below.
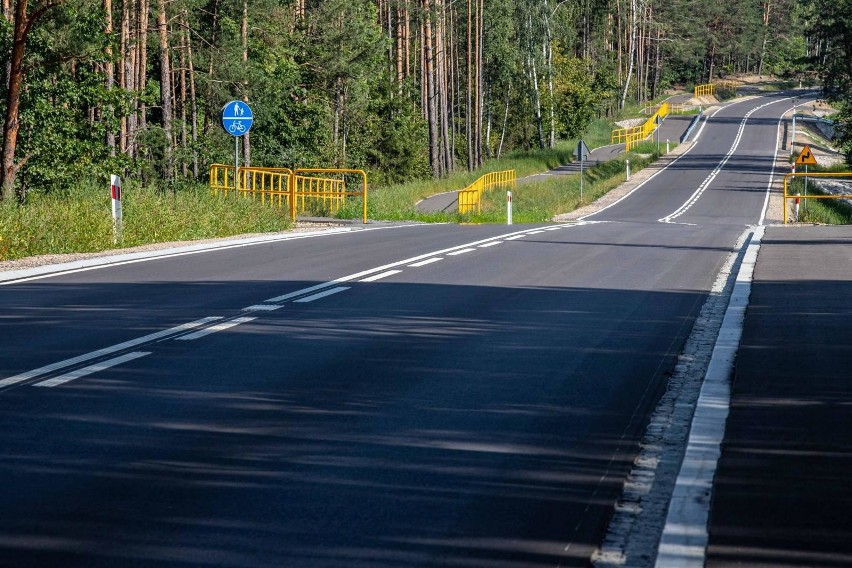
(237, 119)
(806, 158)
(582, 154)
(117, 217)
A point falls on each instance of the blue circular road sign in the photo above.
(237, 118)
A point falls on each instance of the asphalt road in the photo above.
(478, 410)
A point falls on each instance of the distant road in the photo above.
(411, 396)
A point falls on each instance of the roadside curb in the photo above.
(10, 276)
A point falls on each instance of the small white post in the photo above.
(668, 149)
(796, 212)
(117, 219)
(793, 138)
(627, 164)
(508, 207)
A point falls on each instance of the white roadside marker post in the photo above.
(667, 146)
(117, 220)
(627, 165)
(508, 207)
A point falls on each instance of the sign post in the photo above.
(117, 219)
(237, 119)
(582, 154)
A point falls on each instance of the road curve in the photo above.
(411, 396)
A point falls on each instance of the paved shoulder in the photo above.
(782, 492)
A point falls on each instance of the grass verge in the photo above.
(539, 202)
(397, 202)
(822, 211)
(82, 220)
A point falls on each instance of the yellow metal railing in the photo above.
(788, 177)
(470, 198)
(632, 136)
(728, 85)
(704, 90)
(295, 189)
(619, 135)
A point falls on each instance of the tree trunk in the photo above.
(166, 88)
(110, 74)
(468, 119)
(430, 91)
(193, 100)
(184, 141)
(632, 51)
(244, 37)
(21, 29)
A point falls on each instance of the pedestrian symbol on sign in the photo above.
(237, 118)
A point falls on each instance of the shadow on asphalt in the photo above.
(381, 432)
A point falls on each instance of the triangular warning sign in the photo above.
(806, 157)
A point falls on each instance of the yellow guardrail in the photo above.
(619, 135)
(470, 198)
(632, 136)
(704, 90)
(788, 177)
(295, 189)
(730, 85)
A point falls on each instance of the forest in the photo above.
(405, 89)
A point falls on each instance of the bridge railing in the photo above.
(632, 136)
(299, 190)
(470, 198)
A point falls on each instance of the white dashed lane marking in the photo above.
(215, 328)
(62, 379)
(380, 276)
(321, 295)
(105, 351)
(425, 262)
(458, 252)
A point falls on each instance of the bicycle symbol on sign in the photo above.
(236, 126)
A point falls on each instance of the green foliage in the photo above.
(81, 221)
(583, 91)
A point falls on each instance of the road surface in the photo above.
(404, 396)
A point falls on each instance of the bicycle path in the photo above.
(671, 129)
(783, 491)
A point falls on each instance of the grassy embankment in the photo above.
(80, 221)
(532, 202)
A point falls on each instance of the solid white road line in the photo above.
(428, 261)
(685, 535)
(215, 328)
(516, 237)
(380, 276)
(458, 252)
(105, 351)
(693, 199)
(491, 244)
(61, 380)
(535, 232)
(322, 294)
